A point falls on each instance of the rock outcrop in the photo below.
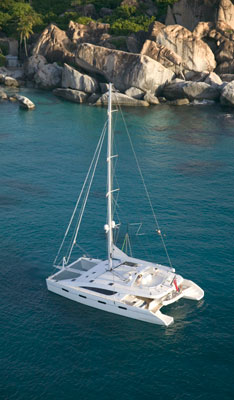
(73, 79)
(168, 58)
(45, 76)
(189, 13)
(54, 45)
(93, 32)
(196, 55)
(123, 69)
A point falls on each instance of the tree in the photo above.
(26, 18)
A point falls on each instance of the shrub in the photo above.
(2, 60)
(4, 46)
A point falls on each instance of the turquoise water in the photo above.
(52, 348)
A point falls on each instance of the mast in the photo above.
(109, 180)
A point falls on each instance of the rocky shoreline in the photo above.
(168, 64)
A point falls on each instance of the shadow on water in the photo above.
(7, 201)
(198, 167)
(24, 186)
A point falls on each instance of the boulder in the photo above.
(48, 76)
(213, 79)
(226, 12)
(227, 77)
(195, 54)
(25, 103)
(195, 76)
(105, 87)
(135, 93)
(93, 32)
(226, 67)
(120, 99)
(76, 96)
(151, 99)
(123, 69)
(174, 90)
(189, 13)
(3, 95)
(93, 98)
(200, 91)
(227, 95)
(191, 90)
(9, 81)
(73, 79)
(33, 64)
(54, 45)
(168, 58)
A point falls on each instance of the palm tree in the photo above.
(26, 18)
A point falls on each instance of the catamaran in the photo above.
(121, 284)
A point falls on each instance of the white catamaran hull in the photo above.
(114, 307)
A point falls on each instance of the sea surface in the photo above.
(52, 348)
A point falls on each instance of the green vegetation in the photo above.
(4, 48)
(2, 60)
(21, 18)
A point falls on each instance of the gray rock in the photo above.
(135, 93)
(200, 91)
(225, 77)
(191, 90)
(174, 90)
(33, 65)
(150, 98)
(227, 95)
(93, 98)
(48, 76)
(120, 99)
(105, 87)
(25, 102)
(76, 96)
(122, 68)
(73, 79)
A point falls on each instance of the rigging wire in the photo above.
(146, 190)
(86, 198)
(99, 145)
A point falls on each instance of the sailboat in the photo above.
(121, 284)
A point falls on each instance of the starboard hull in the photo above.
(109, 305)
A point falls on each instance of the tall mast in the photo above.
(109, 180)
